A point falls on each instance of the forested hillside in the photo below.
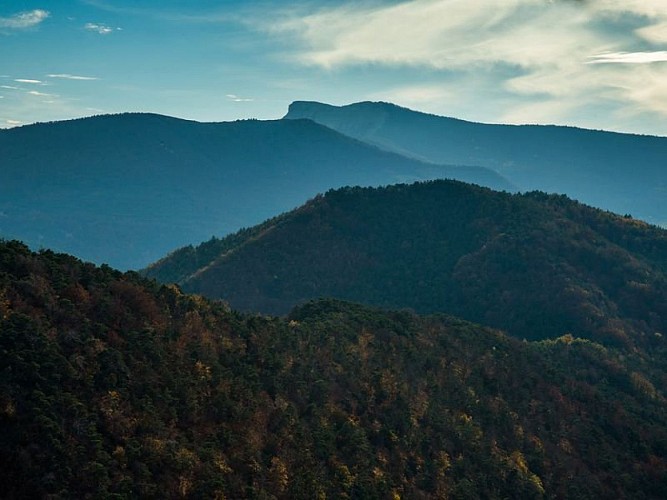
(112, 386)
(126, 189)
(623, 173)
(535, 265)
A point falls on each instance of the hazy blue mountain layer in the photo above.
(126, 189)
(623, 173)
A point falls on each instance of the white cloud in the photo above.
(24, 19)
(235, 98)
(9, 87)
(534, 56)
(654, 33)
(450, 34)
(29, 80)
(67, 76)
(30, 105)
(629, 57)
(13, 122)
(102, 29)
(417, 95)
(41, 94)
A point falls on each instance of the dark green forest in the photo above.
(113, 386)
(538, 266)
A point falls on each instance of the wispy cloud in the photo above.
(101, 29)
(629, 57)
(437, 34)
(549, 58)
(29, 80)
(235, 98)
(26, 19)
(417, 95)
(41, 94)
(8, 87)
(67, 76)
(654, 33)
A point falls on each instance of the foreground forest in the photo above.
(112, 386)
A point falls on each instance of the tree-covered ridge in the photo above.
(114, 387)
(186, 261)
(535, 265)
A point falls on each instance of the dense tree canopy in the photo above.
(112, 386)
(536, 265)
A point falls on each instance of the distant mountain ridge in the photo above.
(126, 189)
(623, 173)
(534, 265)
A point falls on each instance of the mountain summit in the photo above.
(623, 173)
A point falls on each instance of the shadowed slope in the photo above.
(536, 265)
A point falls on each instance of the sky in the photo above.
(598, 64)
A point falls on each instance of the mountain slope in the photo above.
(126, 189)
(535, 265)
(623, 173)
(114, 387)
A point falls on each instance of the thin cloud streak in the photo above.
(629, 58)
(67, 76)
(235, 98)
(24, 20)
(41, 94)
(29, 80)
(101, 29)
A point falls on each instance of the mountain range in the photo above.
(536, 265)
(126, 189)
(624, 173)
(397, 339)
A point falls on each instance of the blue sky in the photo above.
(590, 63)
